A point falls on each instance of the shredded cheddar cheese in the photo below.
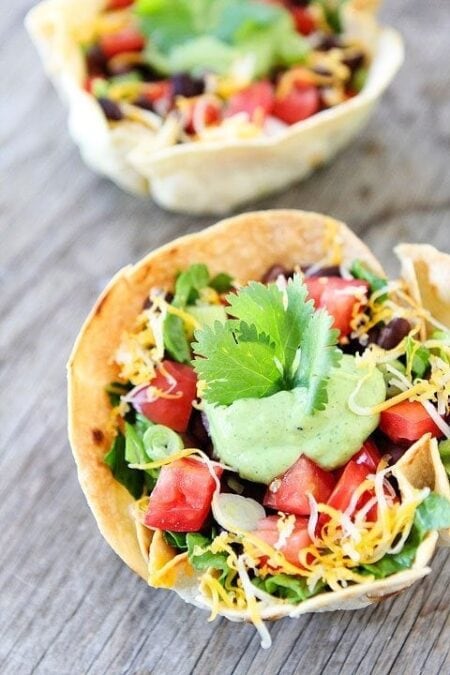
(333, 558)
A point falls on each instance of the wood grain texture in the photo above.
(67, 604)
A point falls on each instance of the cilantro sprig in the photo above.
(275, 341)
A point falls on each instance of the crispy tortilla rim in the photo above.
(207, 176)
(244, 246)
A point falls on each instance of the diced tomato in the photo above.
(340, 297)
(352, 477)
(200, 112)
(301, 102)
(408, 421)
(89, 84)
(368, 456)
(354, 473)
(126, 40)
(181, 498)
(290, 491)
(267, 531)
(257, 97)
(154, 91)
(119, 4)
(178, 383)
(304, 21)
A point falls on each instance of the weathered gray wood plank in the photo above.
(68, 605)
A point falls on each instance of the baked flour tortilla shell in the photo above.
(208, 176)
(245, 246)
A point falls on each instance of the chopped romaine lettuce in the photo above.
(198, 35)
(187, 291)
(176, 539)
(129, 478)
(287, 587)
(359, 270)
(201, 558)
(432, 514)
(444, 451)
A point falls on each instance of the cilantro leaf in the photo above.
(264, 307)
(275, 342)
(234, 366)
(318, 356)
(291, 588)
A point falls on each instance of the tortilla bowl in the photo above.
(246, 246)
(207, 176)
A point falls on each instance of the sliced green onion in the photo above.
(161, 442)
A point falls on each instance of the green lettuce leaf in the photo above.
(432, 514)
(201, 559)
(197, 35)
(221, 282)
(359, 270)
(332, 11)
(176, 539)
(293, 589)
(131, 479)
(417, 357)
(444, 337)
(444, 451)
(189, 283)
(115, 390)
(187, 291)
(175, 341)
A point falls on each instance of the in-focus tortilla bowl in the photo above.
(207, 176)
(245, 246)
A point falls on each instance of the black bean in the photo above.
(330, 271)
(185, 85)
(197, 429)
(96, 61)
(111, 109)
(354, 61)
(374, 334)
(393, 333)
(328, 42)
(143, 102)
(387, 447)
(274, 272)
(147, 72)
(321, 70)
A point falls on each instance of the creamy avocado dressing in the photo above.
(262, 438)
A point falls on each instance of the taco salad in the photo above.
(277, 429)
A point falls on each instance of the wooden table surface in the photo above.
(67, 603)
